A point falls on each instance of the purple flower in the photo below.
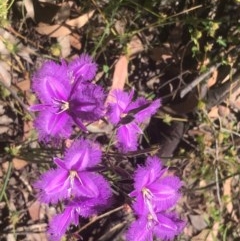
(72, 177)
(51, 82)
(52, 86)
(61, 222)
(119, 108)
(88, 206)
(82, 68)
(86, 103)
(65, 98)
(127, 136)
(53, 126)
(127, 115)
(161, 225)
(81, 206)
(154, 190)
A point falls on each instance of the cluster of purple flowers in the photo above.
(155, 193)
(68, 98)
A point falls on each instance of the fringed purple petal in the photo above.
(137, 104)
(39, 107)
(168, 226)
(53, 186)
(61, 222)
(82, 69)
(164, 226)
(51, 126)
(60, 163)
(165, 193)
(118, 107)
(83, 154)
(79, 123)
(87, 206)
(84, 186)
(139, 206)
(153, 189)
(145, 175)
(127, 137)
(87, 102)
(147, 112)
(138, 231)
(51, 82)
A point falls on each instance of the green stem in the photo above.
(6, 181)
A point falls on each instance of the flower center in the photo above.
(152, 221)
(147, 194)
(62, 105)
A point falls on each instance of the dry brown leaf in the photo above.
(10, 40)
(234, 99)
(120, 27)
(27, 129)
(227, 192)
(161, 53)
(5, 166)
(212, 236)
(223, 111)
(53, 31)
(4, 73)
(25, 52)
(59, 30)
(34, 211)
(64, 42)
(120, 73)
(80, 21)
(213, 113)
(19, 163)
(99, 127)
(198, 222)
(75, 41)
(11, 237)
(119, 76)
(135, 46)
(213, 79)
(201, 236)
(24, 85)
(29, 8)
(41, 236)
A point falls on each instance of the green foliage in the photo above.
(5, 5)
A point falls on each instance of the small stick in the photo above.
(13, 93)
(199, 79)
